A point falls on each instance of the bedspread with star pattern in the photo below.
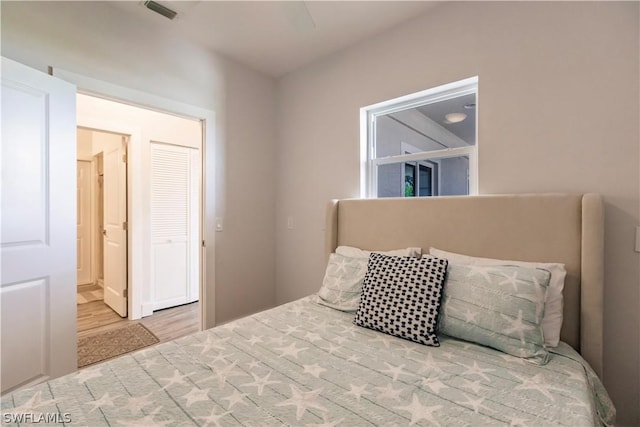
(306, 364)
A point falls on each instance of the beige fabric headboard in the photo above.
(566, 228)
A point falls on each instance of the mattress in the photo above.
(306, 364)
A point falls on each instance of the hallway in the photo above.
(168, 324)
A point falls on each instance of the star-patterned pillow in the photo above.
(552, 319)
(401, 297)
(342, 283)
(497, 306)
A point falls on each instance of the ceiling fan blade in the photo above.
(298, 14)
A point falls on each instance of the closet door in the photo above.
(174, 219)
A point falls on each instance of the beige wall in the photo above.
(96, 40)
(558, 109)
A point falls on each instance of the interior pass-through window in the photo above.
(423, 144)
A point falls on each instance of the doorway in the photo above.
(207, 144)
(102, 218)
(161, 223)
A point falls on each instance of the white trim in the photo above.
(91, 195)
(473, 171)
(365, 124)
(90, 86)
(437, 154)
(147, 309)
(436, 94)
(95, 187)
(114, 92)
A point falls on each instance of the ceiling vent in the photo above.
(160, 9)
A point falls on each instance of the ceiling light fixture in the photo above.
(455, 117)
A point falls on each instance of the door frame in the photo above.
(101, 89)
(90, 218)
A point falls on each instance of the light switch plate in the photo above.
(218, 224)
(637, 239)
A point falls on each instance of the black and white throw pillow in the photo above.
(401, 296)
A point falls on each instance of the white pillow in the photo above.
(350, 251)
(342, 284)
(552, 318)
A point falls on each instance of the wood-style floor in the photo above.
(167, 324)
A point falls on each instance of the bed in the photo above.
(306, 363)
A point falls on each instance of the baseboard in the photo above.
(147, 309)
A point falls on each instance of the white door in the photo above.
(84, 186)
(174, 224)
(115, 228)
(38, 279)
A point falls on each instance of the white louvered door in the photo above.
(174, 220)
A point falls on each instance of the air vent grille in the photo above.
(160, 9)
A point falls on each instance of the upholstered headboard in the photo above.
(565, 228)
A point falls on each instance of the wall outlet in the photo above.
(290, 224)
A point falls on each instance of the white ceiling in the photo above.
(276, 37)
